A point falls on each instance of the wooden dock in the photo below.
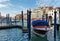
(10, 26)
(24, 29)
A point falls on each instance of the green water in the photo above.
(46, 38)
(38, 38)
(58, 34)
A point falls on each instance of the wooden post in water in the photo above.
(22, 20)
(29, 23)
(48, 22)
(7, 18)
(0, 18)
(10, 20)
(59, 21)
(55, 25)
(46, 17)
(15, 20)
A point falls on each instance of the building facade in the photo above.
(41, 12)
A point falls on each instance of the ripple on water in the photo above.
(13, 34)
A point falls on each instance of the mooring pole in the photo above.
(22, 20)
(59, 21)
(55, 25)
(29, 23)
(15, 20)
(7, 18)
(10, 20)
(46, 17)
(0, 18)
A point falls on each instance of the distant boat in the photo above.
(40, 27)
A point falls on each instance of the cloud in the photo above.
(5, 5)
(47, 2)
(9, 4)
(23, 8)
(42, 2)
(4, 0)
(2, 5)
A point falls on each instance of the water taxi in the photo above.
(40, 27)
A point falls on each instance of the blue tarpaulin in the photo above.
(39, 23)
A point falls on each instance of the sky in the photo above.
(14, 7)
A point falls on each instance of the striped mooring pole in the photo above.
(29, 24)
(55, 25)
(22, 20)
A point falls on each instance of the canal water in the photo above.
(15, 34)
(49, 36)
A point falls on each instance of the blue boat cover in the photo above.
(40, 23)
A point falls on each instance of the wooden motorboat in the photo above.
(40, 27)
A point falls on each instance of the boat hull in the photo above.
(39, 34)
(40, 27)
(40, 30)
